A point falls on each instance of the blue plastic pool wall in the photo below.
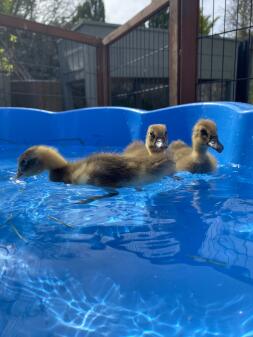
(115, 126)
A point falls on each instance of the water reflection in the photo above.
(47, 304)
(198, 220)
(194, 236)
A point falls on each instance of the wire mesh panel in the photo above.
(78, 74)
(139, 65)
(41, 71)
(225, 51)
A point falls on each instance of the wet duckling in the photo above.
(108, 170)
(197, 159)
(156, 142)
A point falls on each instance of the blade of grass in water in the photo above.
(19, 235)
(205, 260)
(60, 222)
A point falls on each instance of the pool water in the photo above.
(175, 259)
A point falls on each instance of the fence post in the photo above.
(183, 42)
(174, 32)
(103, 75)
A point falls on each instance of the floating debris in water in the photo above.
(18, 233)
(59, 221)
(14, 228)
(211, 261)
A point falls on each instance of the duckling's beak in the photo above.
(160, 144)
(19, 174)
(216, 145)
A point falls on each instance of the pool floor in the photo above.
(175, 259)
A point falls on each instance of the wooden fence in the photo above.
(182, 37)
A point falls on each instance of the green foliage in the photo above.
(162, 20)
(22, 8)
(159, 21)
(5, 63)
(5, 6)
(206, 23)
(56, 12)
(92, 10)
(239, 16)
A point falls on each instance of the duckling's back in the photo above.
(136, 148)
(114, 170)
(110, 170)
(158, 166)
(186, 160)
(179, 149)
(204, 164)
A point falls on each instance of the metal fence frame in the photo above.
(182, 37)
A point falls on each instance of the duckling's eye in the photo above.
(203, 132)
(23, 162)
(152, 135)
(28, 163)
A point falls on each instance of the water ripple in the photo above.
(69, 270)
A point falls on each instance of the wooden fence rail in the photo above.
(35, 27)
(136, 21)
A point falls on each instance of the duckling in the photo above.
(197, 159)
(156, 142)
(108, 170)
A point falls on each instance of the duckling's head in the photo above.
(157, 138)
(204, 135)
(30, 163)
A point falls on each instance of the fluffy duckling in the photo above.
(197, 159)
(156, 142)
(109, 170)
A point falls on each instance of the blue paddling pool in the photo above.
(175, 259)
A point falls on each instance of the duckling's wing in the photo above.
(109, 170)
(179, 149)
(160, 165)
(177, 145)
(135, 148)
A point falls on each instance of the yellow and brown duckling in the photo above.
(108, 170)
(156, 142)
(197, 159)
